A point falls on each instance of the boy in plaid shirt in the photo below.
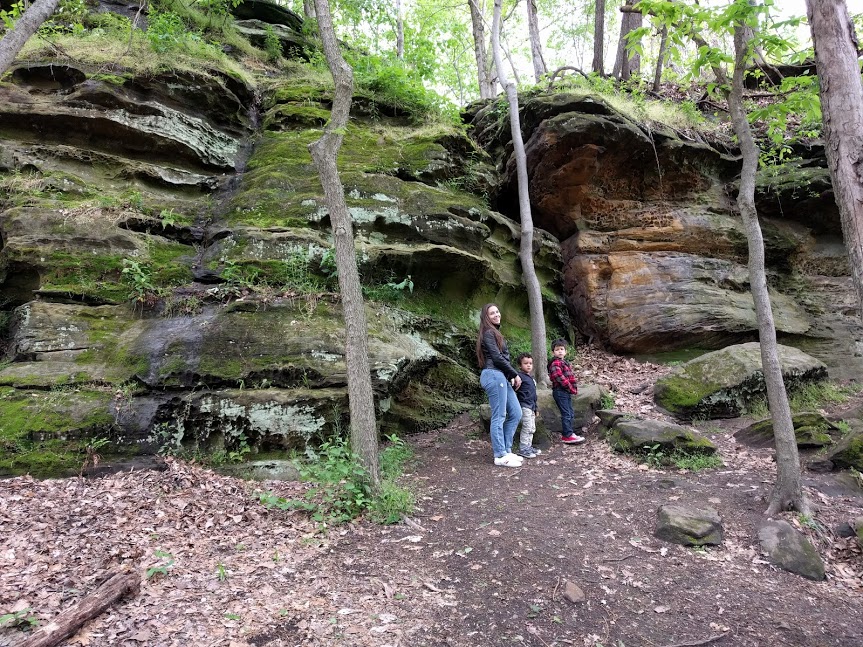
(564, 386)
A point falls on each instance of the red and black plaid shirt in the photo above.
(562, 376)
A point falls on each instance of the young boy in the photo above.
(526, 395)
(564, 386)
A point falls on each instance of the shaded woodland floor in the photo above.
(484, 561)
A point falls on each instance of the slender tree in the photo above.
(364, 439)
(842, 109)
(598, 65)
(400, 31)
(628, 61)
(660, 59)
(485, 74)
(309, 10)
(539, 67)
(788, 491)
(25, 26)
(534, 294)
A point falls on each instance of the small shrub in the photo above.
(607, 401)
(166, 31)
(272, 44)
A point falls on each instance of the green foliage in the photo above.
(163, 567)
(805, 397)
(23, 619)
(221, 573)
(658, 457)
(9, 16)
(139, 278)
(395, 85)
(166, 31)
(272, 44)
(341, 491)
(607, 401)
(392, 291)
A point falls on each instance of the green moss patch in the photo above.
(45, 433)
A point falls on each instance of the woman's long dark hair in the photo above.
(484, 325)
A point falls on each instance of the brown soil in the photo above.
(485, 560)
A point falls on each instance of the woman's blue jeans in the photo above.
(505, 410)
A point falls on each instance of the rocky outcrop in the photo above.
(811, 429)
(654, 253)
(178, 288)
(722, 384)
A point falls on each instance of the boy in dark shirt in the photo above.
(564, 386)
(526, 395)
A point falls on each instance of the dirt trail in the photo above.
(483, 563)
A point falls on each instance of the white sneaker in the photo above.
(508, 460)
(515, 457)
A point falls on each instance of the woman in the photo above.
(499, 379)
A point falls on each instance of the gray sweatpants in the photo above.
(528, 427)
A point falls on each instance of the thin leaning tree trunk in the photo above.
(364, 440)
(842, 109)
(788, 491)
(27, 25)
(534, 294)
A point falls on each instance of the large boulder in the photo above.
(811, 429)
(790, 550)
(721, 384)
(628, 434)
(688, 525)
(846, 454)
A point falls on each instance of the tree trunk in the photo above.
(598, 38)
(660, 60)
(25, 26)
(626, 63)
(534, 294)
(364, 438)
(842, 108)
(71, 620)
(309, 9)
(788, 491)
(484, 73)
(535, 43)
(400, 31)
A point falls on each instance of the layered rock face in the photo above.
(654, 253)
(166, 273)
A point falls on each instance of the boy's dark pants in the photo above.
(563, 399)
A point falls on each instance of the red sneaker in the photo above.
(572, 439)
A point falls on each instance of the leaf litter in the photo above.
(482, 562)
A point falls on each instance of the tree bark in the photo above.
(309, 9)
(534, 294)
(624, 64)
(539, 68)
(598, 38)
(660, 59)
(364, 438)
(400, 31)
(71, 620)
(487, 84)
(842, 109)
(25, 26)
(788, 491)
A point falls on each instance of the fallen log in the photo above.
(69, 622)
